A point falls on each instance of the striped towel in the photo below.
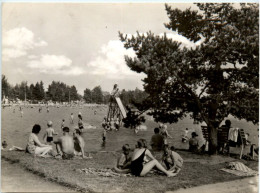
(239, 169)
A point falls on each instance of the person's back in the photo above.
(157, 141)
(67, 144)
(50, 132)
(193, 142)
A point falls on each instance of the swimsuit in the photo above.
(30, 148)
(137, 165)
(49, 139)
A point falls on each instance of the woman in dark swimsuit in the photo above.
(138, 167)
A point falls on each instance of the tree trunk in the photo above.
(213, 140)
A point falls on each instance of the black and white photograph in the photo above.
(130, 97)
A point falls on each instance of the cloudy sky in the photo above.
(77, 43)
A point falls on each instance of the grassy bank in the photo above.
(197, 170)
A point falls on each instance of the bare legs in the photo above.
(154, 163)
(42, 151)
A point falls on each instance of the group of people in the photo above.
(141, 160)
(67, 146)
(113, 124)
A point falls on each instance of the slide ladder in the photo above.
(116, 109)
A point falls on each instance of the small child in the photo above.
(48, 136)
(104, 135)
(124, 161)
(104, 123)
(171, 159)
(185, 137)
(63, 124)
(117, 124)
(112, 124)
(71, 118)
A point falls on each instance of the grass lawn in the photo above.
(197, 170)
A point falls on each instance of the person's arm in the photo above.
(149, 154)
(53, 132)
(44, 137)
(36, 140)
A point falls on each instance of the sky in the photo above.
(77, 43)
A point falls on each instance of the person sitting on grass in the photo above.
(157, 140)
(65, 145)
(34, 146)
(139, 167)
(79, 144)
(193, 143)
(171, 159)
(48, 136)
(124, 161)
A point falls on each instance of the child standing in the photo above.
(63, 124)
(104, 135)
(171, 159)
(185, 137)
(71, 118)
(48, 136)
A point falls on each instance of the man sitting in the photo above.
(65, 145)
(157, 142)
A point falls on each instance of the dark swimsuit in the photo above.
(49, 139)
(137, 165)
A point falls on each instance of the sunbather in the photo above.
(138, 167)
(34, 146)
(65, 145)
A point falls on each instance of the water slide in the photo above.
(121, 107)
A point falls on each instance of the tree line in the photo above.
(60, 92)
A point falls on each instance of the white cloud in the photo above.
(53, 64)
(111, 62)
(183, 40)
(18, 41)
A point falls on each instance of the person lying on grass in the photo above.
(34, 146)
(124, 161)
(65, 145)
(171, 159)
(79, 144)
(139, 168)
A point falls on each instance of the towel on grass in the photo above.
(102, 172)
(106, 172)
(239, 169)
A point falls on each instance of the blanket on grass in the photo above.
(239, 169)
(107, 172)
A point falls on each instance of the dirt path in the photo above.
(246, 185)
(16, 179)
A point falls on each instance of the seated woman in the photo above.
(34, 146)
(138, 167)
